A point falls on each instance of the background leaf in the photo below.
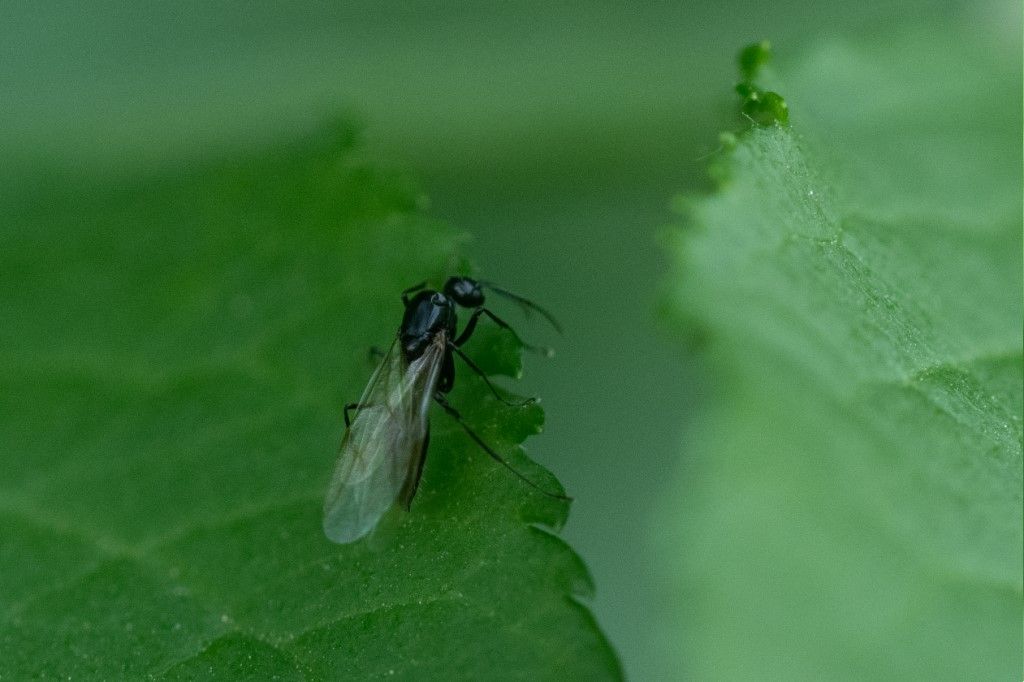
(174, 352)
(852, 505)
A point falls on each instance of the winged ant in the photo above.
(385, 445)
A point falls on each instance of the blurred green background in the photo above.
(555, 134)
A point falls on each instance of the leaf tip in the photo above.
(762, 107)
(753, 57)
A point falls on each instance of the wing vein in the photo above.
(384, 443)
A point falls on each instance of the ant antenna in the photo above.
(527, 304)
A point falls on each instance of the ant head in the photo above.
(464, 291)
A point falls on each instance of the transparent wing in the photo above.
(383, 445)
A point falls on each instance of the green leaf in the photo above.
(850, 503)
(174, 355)
(762, 107)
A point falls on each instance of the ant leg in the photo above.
(443, 402)
(353, 406)
(412, 290)
(470, 327)
(473, 366)
(475, 317)
(412, 482)
(349, 408)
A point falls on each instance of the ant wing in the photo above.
(382, 447)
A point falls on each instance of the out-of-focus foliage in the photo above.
(850, 502)
(174, 354)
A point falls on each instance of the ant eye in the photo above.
(464, 291)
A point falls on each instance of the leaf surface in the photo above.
(850, 503)
(174, 352)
